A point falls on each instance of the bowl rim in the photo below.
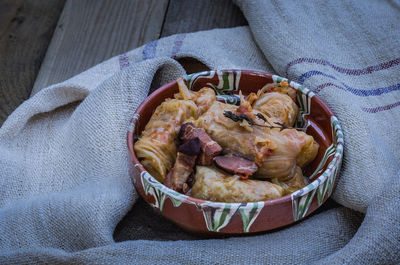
(334, 164)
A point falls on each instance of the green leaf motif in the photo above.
(176, 202)
(217, 218)
(192, 78)
(322, 189)
(160, 193)
(161, 197)
(152, 189)
(249, 214)
(302, 204)
(278, 79)
(331, 180)
(227, 82)
(225, 79)
(328, 152)
(145, 184)
(218, 222)
(229, 99)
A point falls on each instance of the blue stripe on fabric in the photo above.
(149, 50)
(347, 71)
(178, 43)
(309, 74)
(355, 91)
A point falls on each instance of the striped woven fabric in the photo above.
(64, 180)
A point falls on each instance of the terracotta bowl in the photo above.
(202, 216)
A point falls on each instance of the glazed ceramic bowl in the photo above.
(236, 218)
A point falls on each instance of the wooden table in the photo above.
(48, 41)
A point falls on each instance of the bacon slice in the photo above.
(191, 147)
(179, 174)
(196, 146)
(236, 165)
(183, 167)
(209, 148)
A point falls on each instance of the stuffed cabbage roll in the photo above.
(308, 152)
(294, 182)
(203, 98)
(278, 107)
(215, 185)
(274, 151)
(156, 149)
(283, 88)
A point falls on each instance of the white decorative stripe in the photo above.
(131, 126)
(237, 81)
(245, 213)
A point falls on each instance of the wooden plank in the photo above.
(26, 28)
(189, 16)
(91, 31)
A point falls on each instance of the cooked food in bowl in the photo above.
(210, 150)
(215, 161)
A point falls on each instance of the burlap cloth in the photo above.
(64, 183)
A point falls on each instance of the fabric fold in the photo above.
(64, 182)
(332, 48)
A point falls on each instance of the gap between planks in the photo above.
(92, 31)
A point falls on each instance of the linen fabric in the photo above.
(64, 182)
